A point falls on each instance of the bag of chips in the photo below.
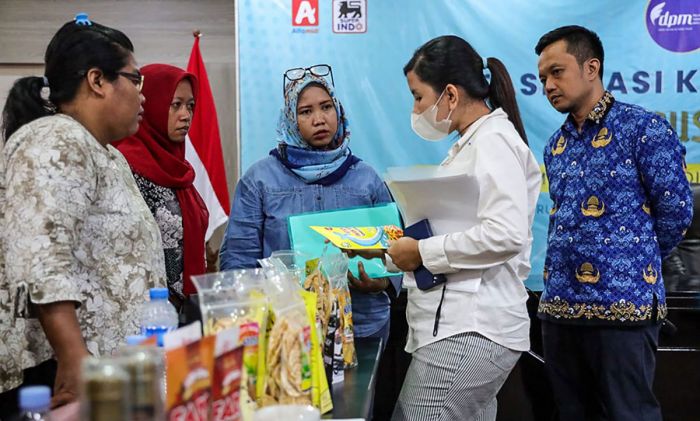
(288, 360)
(237, 299)
(317, 282)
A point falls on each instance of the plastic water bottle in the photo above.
(135, 340)
(34, 403)
(158, 316)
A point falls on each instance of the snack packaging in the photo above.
(228, 367)
(320, 392)
(237, 299)
(360, 238)
(317, 282)
(288, 372)
(335, 266)
(291, 260)
(189, 369)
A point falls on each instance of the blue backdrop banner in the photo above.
(652, 59)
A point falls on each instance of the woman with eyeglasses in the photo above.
(79, 248)
(311, 169)
(156, 155)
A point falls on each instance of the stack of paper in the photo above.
(447, 197)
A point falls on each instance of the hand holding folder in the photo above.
(424, 278)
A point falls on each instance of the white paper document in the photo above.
(448, 198)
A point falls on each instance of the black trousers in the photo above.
(42, 374)
(602, 372)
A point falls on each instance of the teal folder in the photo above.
(308, 241)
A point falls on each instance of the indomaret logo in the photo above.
(674, 24)
(305, 14)
(349, 16)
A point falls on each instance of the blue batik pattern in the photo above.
(621, 203)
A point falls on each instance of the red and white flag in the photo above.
(203, 147)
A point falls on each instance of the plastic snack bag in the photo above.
(237, 299)
(335, 266)
(288, 373)
(320, 392)
(317, 282)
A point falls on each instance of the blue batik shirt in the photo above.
(621, 203)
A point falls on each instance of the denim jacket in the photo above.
(269, 192)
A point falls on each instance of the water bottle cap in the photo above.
(34, 397)
(158, 294)
(135, 339)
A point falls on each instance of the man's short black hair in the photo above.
(581, 43)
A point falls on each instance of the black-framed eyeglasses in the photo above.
(136, 78)
(298, 73)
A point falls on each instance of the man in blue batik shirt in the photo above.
(621, 203)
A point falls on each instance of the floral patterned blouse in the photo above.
(166, 209)
(73, 227)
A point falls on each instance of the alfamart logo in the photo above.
(674, 24)
(305, 16)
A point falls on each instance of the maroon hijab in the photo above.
(152, 155)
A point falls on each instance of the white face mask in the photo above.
(426, 125)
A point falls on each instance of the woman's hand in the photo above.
(67, 385)
(365, 253)
(365, 283)
(60, 324)
(212, 257)
(404, 254)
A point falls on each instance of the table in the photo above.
(353, 397)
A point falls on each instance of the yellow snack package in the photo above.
(320, 393)
(345, 326)
(360, 238)
(317, 282)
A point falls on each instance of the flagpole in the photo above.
(206, 152)
(237, 76)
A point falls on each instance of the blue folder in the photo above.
(424, 278)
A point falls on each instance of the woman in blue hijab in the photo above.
(311, 169)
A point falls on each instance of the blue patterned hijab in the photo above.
(314, 166)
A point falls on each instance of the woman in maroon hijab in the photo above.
(156, 154)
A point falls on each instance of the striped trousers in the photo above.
(456, 378)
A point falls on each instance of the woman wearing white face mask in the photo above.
(465, 341)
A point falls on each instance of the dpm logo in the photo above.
(674, 24)
(304, 12)
(660, 18)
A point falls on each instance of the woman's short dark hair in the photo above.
(581, 43)
(73, 50)
(451, 60)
